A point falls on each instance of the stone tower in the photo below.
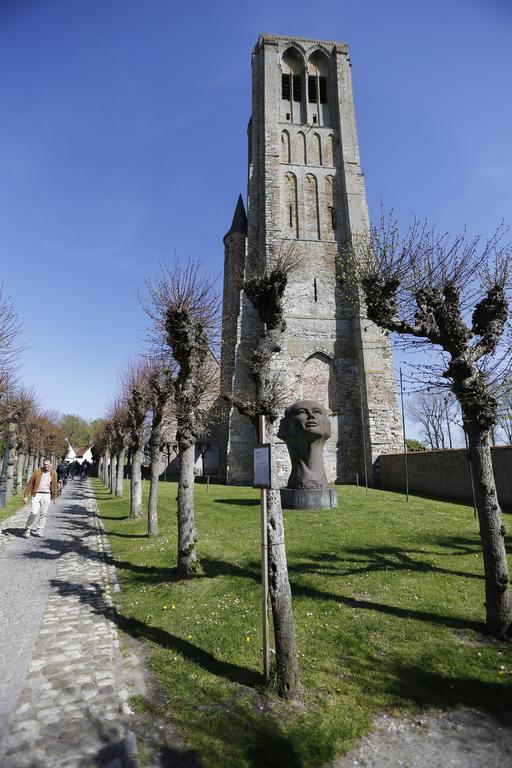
(306, 192)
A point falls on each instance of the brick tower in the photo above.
(306, 191)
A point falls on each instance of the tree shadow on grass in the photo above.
(215, 567)
(376, 559)
(173, 757)
(92, 595)
(51, 549)
(463, 545)
(271, 748)
(265, 745)
(428, 688)
(239, 502)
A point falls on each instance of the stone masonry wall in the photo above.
(306, 192)
(445, 473)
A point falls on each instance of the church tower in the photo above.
(306, 192)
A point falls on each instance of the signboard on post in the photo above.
(262, 466)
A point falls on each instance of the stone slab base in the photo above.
(325, 498)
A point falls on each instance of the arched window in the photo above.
(311, 207)
(331, 218)
(318, 89)
(292, 86)
(315, 150)
(300, 149)
(317, 381)
(285, 147)
(329, 150)
(289, 211)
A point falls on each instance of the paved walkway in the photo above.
(63, 702)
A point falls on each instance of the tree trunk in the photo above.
(31, 461)
(136, 484)
(120, 472)
(113, 472)
(11, 461)
(27, 467)
(498, 605)
(19, 473)
(106, 468)
(153, 490)
(187, 537)
(281, 601)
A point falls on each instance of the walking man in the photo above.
(43, 487)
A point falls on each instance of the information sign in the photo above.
(262, 466)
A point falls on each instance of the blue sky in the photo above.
(123, 143)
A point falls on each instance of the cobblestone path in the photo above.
(63, 702)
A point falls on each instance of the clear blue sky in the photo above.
(123, 142)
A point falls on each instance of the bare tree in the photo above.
(451, 297)
(10, 349)
(118, 430)
(16, 407)
(184, 309)
(160, 382)
(436, 413)
(136, 398)
(265, 289)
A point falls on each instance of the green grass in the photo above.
(388, 602)
(12, 506)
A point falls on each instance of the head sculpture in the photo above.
(304, 428)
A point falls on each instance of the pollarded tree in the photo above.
(450, 297)
(265, 289)
(118, 430)
(160, 384)
(51, 437)
(18, 405)
(184, 309)
(136, 399)
(99, 440)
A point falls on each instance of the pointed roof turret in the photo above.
(239, 223)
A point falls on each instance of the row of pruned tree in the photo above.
(28, 433)
(449, 297)
(166, 395)
(171, 390)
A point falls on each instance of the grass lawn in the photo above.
(12, 506)
(388, 602)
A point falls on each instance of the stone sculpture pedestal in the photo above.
(294, 498)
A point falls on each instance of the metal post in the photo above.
(207, 483)
(357, 479)
(448, 422)
(405, 441)
(264, 569)
(364, 445)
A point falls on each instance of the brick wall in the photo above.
(444, 473)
